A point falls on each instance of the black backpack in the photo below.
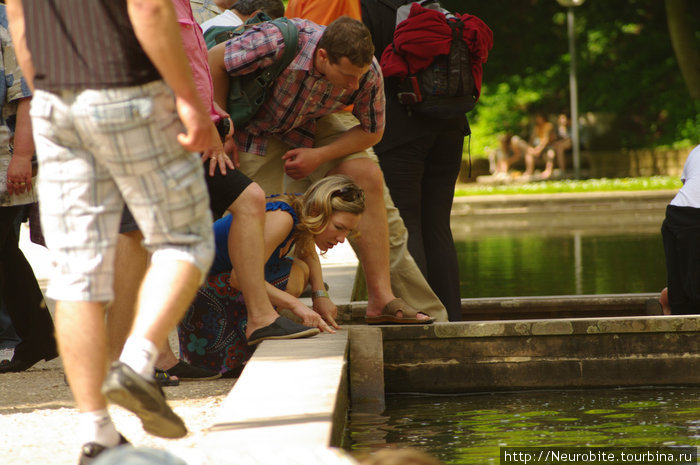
(248, 92)
(446, 88)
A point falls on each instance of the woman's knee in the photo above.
(250, 202)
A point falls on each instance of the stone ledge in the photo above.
(292, 393)
(536, 307)
(542, 354)
(567, 202)
(544, 327)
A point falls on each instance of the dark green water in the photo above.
(534, 265)
(470, 429)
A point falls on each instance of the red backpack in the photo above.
(438, 57)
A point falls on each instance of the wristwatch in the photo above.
(321, 293)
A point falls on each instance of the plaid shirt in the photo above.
(204, 10)
(300, 95)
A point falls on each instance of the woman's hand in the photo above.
(311, 318)
(216, 155)
(325, 307)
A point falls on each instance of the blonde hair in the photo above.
(335, 193)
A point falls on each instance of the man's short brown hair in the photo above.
(349, 38)
(272, 8)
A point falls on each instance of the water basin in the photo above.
(574, 264)
(469, 429)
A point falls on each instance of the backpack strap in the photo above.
(389, 4)
(217, 34)
(290, 33)
(247, 93)
(395, 7)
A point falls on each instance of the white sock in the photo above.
(140, 354)
(97, 427)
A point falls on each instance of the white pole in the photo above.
(573, 90)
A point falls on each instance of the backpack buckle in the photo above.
(407, 98)
(412, 96)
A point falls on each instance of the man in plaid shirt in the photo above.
(299, 136)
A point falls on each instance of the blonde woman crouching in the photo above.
(212, 334)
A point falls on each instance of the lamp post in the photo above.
(573, 85)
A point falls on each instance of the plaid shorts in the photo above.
(98, 149)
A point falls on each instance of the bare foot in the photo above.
(663, 300)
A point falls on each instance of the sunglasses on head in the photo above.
(349, 194)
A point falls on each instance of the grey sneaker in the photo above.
(124, 387)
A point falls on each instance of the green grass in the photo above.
(589, 185)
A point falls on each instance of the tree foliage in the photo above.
(628, 74)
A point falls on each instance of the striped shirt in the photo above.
(300, 94)
(77, 44)
(13, 89)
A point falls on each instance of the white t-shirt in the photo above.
(689, 195)
(228, 19)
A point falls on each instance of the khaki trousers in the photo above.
(407, 281)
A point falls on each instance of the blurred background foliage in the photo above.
(632, 93)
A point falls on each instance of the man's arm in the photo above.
(368, 108)
(15, 15)
(157, 31)
(300, 162)
(19, 173)
(219, 74)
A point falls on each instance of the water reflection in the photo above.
(470, 429)
(579, 263)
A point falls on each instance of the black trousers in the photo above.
(22, 295)
(421, 176)
(681, 236)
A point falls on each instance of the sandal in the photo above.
(186, 372)
(164, 379)
(388, 315)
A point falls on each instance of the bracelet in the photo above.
(321, 293)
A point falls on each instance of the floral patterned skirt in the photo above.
(212, 333)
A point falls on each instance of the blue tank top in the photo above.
(222, 260)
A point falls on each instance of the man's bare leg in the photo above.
(373, 239)
(549, 167)
(167, 291)
(82, 344)
(561, 147)
(130, 266)
(131, 263)
(529, 164)
(81, 337)
(247, 250)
